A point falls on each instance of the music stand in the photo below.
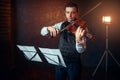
(53, 56)
(30, 53)
(106, 20)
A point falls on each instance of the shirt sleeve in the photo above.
(81, 46)
(45, 32)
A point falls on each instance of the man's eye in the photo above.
(73, 12)
(67, 12)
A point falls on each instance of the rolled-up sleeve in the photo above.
(45, 32)
(81, 46)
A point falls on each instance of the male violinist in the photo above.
(71, 45)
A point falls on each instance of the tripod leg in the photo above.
(114, 58)
(106, 61)
(99, 63)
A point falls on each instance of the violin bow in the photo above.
(92, 9)
(86, 13)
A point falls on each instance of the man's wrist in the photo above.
(78, 40)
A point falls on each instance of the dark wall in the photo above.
(21, 21)
(32, 15)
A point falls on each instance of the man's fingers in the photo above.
(54, 32)
(83, 32)
(57, 31)
(80, 30)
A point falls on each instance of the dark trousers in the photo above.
(72, 72)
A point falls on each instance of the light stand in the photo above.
(106, 20)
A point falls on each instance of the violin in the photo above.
(73, 25)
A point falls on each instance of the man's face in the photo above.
(71, 13)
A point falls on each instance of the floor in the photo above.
(42, 72)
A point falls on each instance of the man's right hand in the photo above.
(52, 31)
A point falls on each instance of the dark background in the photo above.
(33, 15)
(22, 20)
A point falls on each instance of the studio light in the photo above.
(106, 20)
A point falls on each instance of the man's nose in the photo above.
(70, 15)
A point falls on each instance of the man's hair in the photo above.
(72, 4)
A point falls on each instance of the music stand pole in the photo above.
(106, 52)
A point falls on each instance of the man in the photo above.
(71, 45)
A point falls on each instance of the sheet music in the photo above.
(26, 48)
(53, 56)
(30, 53)
(53, 59)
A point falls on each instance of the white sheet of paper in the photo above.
(52, 56)
(26, 48)
(29, 52)
(53, 59)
